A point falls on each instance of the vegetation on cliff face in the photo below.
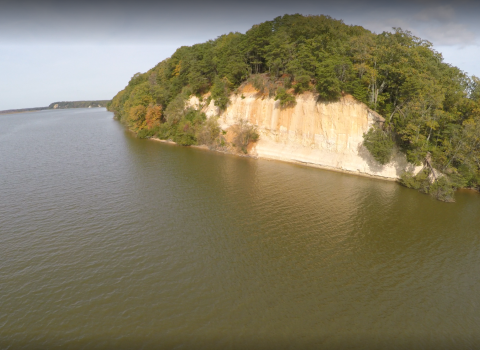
(380, 144)
(430, 108)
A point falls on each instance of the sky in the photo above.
(69, 50)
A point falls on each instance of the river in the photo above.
(108, 241)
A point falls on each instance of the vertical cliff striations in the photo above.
(321, 134)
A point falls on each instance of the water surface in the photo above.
(107, 241)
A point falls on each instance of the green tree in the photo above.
(380, 144)
(220, 92)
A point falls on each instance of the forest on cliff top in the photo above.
(431, 109)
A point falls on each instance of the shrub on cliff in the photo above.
(221, 93)
(265, 84)
(175, 109)
(258, 83)
(286, 99)
(301, 84)
(244, 134)
(380, 144)
(185, 130)
(208, 133)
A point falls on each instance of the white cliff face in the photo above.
(327, 135)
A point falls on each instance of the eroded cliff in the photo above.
(327, 135)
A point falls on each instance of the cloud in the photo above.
(54, 21)
(385, 24)
(450, 34)
(441, 25)
(440, 13)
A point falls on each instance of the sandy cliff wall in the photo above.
(327, 135)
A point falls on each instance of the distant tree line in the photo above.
(21, 110)
(78, 104)
(431, 109)
(61, 105)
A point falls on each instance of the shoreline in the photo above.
(7, 112)
(15, 111)
(306, 164)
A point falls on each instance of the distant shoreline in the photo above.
(22, 110)
(60, 105)
(19, 111)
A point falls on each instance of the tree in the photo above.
(137, 117)
(153, 116)
(286, 100)
(429, 106)
(329, 86)
(379, 144)
(220, 92)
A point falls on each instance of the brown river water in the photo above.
(108, 241)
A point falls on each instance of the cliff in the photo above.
(432, 107)
(327, 135)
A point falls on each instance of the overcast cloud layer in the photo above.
(56, 50)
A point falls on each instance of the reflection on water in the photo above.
(109, 241)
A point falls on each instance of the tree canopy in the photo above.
(431, 108)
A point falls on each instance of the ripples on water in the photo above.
(112, 242)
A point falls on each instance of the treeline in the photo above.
(431, 109)
(78, 104)
(61, 105)
(21, 110)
